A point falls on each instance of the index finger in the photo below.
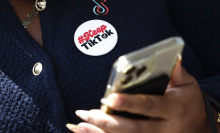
(147, 105)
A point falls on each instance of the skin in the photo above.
(22, 8)
(180, 110)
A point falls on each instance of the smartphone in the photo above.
(145, 71)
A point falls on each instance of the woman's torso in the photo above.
(71, 80)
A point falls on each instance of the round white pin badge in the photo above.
(95, 37)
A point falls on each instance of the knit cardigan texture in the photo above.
(71, 80)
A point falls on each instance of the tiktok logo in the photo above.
(101, 9)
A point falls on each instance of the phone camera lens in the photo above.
(129, 70)
(140, 71)
(126, 80)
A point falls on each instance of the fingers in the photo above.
(84, 128)
(180, 77)
(104, 121)
(157, 106)
(172, 104)
(115, 124)
(168, 113)
(147, 105)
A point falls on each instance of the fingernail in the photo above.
(83, 114)
(112, 96)
(75, 128)
(72, 127)
(104, 101)
(111, 101)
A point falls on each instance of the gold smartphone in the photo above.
(145, 71)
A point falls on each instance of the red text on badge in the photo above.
(86, 36)
(93, 37)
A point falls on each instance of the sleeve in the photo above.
(198, 22)
(211, 85)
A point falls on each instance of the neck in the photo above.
(24, 7)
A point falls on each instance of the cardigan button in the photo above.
(37, 69)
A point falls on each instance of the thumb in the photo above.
(180, 76)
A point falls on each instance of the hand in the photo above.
(180, 110)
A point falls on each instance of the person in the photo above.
(45, 78)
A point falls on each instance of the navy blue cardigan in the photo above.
(71, 80)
